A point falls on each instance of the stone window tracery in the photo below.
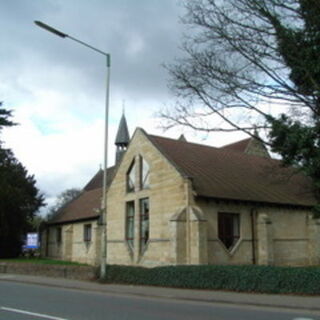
(137, 185)
(131, 177)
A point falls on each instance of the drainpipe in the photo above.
(253, 234)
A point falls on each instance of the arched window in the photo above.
(144, 176)
(144, 223)
(130, 224)
(137, 179)
(131, 177)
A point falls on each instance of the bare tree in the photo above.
(244, 62)
(253, 64)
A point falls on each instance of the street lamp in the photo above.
(104, 185)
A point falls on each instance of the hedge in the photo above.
(246, 278)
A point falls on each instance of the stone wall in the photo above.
(242, 252)
(184, 228)
(282, 236)
(57, 271)
(72, 246)
(166, 195)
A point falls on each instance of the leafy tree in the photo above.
(4, 117)
(19, 198)
(36, 223)
(62, 200)
(253, 64)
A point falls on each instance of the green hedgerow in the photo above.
(244, 278)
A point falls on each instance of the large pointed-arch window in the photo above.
(130, 223)
(144, 176)
(137, 224)
(131, 177)
(144, 223)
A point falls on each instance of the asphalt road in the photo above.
(28, 301)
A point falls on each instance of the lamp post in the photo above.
(105, 162)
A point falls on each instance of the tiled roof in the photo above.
(87, 204)
(239, 146)
(96, 181)
(218, 173)
(225, 174)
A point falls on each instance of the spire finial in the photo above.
(123, 107)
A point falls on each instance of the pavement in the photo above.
(292, 302)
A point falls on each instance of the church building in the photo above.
(170, 202)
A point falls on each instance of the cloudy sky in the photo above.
(56, 87)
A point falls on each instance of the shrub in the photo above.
(246, 278)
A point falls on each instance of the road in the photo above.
(29, 301)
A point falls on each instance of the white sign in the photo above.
(32, 241)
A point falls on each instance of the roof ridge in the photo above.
(182, 141)
(219, 149)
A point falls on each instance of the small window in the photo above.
(58, 234)
(131, 178)
(130, 223)
(144, 222)
(144, 177)
(87, 232)
(229, 229)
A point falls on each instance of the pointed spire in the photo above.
(123, 137)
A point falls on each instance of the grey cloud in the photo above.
(139, 34)
(113, 26)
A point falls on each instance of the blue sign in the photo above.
(32, 241)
